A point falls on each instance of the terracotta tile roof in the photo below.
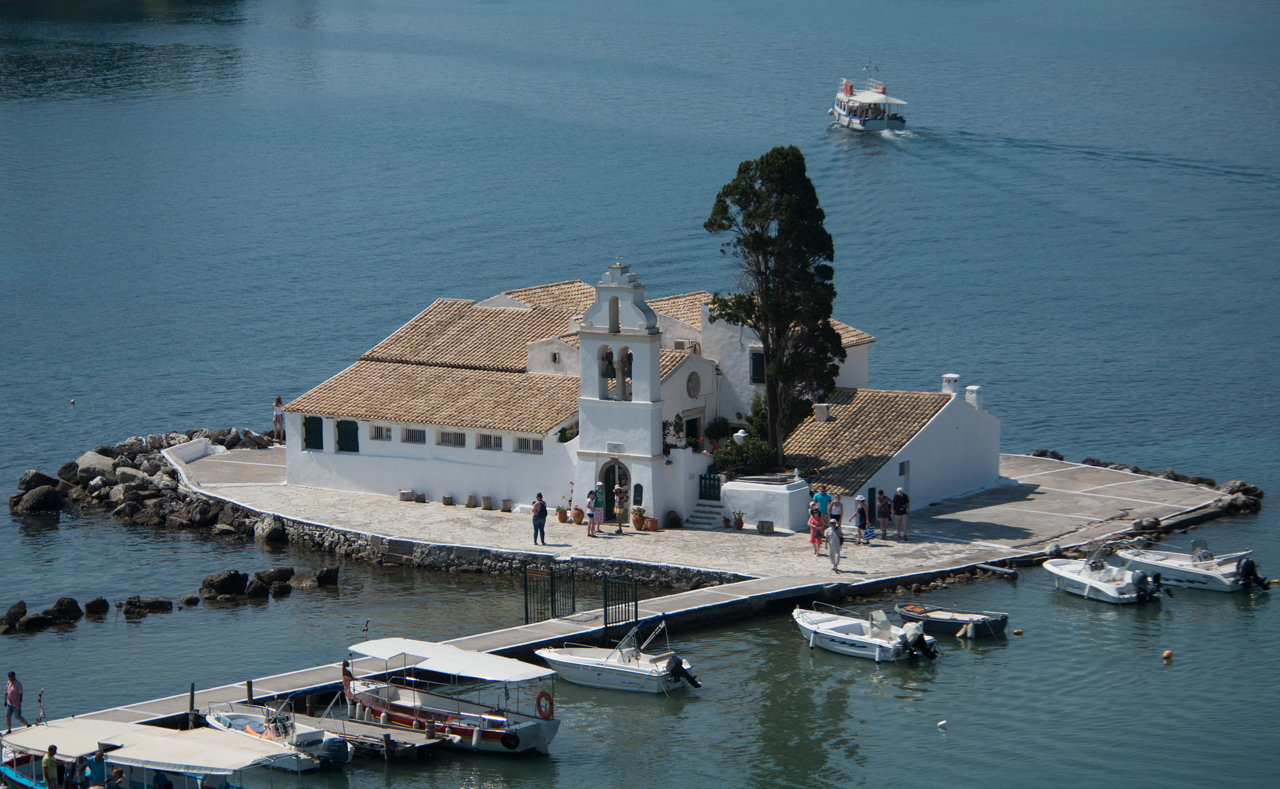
(668, 361)
(446, 396)
(570, 339)
(687, 307)
(867, 428)
(456, 333)
(572, 295)
(850, 336)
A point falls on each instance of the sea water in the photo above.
(208, 204)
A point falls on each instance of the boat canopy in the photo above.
(871, 97)
(198, 752)
(447, 659)
(81, 736)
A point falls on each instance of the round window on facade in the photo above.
(694, 385)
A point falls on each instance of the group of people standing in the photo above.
(594, 509)
(826, 521)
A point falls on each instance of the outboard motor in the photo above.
(333, 751)
(1247, 572)
(916, 641)
(677, 671)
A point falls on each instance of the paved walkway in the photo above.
(1043, 501)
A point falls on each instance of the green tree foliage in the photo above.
(784, 294)
(750, 457)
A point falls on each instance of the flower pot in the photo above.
(637, 521)
(728, 524)
(737, 524)
(562, 516)
(652, 523)
(578, 515)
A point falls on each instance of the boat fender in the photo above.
(384, 719)
(475, 737)
(510, 741)
(813, 638)
(545, 706)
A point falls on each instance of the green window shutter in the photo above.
(757, 367)
(638, 498)
(348, 436)
(313, 432)
(872, 515)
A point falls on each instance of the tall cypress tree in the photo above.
(784, 292)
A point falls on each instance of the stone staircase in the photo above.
(706, 515)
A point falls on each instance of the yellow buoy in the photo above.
(1167, 654)
(1017, 632)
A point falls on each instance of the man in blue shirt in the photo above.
(823, 500)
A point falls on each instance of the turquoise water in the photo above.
(208, 204)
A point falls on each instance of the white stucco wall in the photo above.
(539, 357)
(786, 505)
(675, 393)
(385, 467)
(957, 452)
(853, 372)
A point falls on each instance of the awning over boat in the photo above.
(447, 659)
(199, 752)
(81, 736)
(871, 97)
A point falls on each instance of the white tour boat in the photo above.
(625, 667)
(870, 109)
(1094, 579)
(1199, 569)
(471, 699)
(875, 638)
(303, 747)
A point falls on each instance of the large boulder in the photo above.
(328, 576)
(70, 472)
(97, 606)
(149, 517)
(127, 474)
(1047, 453)
(227, 582)
(232, 440)
(33, 622)
(34, 479)
(11, 617)
(1236, 486)
(190, 600)
(126, 511)
(65, 610)
(314, 580)
(256, 588)
(274, 575)
(280, 589)
(270, 529)
(130, 447)
(107, 452)
(42, 499)
(91, 465)
(152, 605)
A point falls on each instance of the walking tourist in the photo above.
(823, 500)
(835, 539)
(837, 509)
(815, 528)
(277, 419)
(539, 519)
(883, 506)
(13, 703)
(620, 500)
(901, 509)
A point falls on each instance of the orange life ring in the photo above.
(545, 706)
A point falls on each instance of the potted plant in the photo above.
(674, 521)
(651, 524)
(737, 519)
(728, 524)
(578, 515)
(562, 514)
(637, 517)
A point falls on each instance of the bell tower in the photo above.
(620, 403)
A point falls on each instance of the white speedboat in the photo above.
(875, 638)
(1094, 579)
(870, 109)
(473, 700)
(1199, 569)
(303, 747)
(625, 667)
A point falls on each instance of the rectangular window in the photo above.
(348, 436)
(902, 468)
(757, 367)
(484, 441)
(411, 436)
(380, 433)
(531, 445)
(313, 432)
(452, 439)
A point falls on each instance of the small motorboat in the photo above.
(1199, 569)
(869, 109)
(625, 667)
(1094, 579)
(841, 631)
(953, 621)
(306, 747)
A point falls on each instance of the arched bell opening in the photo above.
(608, 370)
(615, 317)
(625, 383)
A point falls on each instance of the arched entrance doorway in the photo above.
(613, 474)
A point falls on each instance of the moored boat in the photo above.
(1093, 579)
(474, 700)
(625, 667)
(302, 747)
(875, 638)
(1199, 569)
(953, 621)
(869, 109)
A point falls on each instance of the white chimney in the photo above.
(951, 384)
(821, 412)
(973, 396)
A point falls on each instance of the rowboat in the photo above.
(473, 700)
(625, 667)
(1094, 579)
(875, 638)
(303, 747)
(953, 621)
(1199, 569)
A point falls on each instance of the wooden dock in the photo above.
(391, 742)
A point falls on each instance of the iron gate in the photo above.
(621, 607)
(709, 487)
(549, 592)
